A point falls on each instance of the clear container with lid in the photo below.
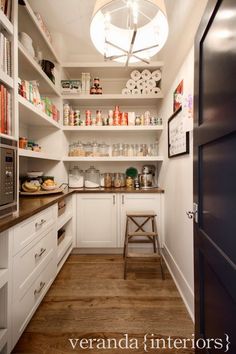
(115, 150)
(76, 178)
(92, 178)
(95, 149)
(117, 180)
(104, 149)
(107, 180)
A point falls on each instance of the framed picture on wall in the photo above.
(178, 96)
(178, 138)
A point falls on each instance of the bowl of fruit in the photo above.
(49, 185)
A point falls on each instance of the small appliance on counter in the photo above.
(8, 176)
(146, 178)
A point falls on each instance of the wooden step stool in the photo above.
(149, 237)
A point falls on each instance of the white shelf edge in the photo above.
(37, 155)
(107, 96)
(7, 136)
(24, 102)
(3, 337)
(38, 68)
(113, 159)
(156, 64)
(64, 258)
(6, 79)
(4, 21)
(36, 22)
(3, 277)
(63, 219)
(63, 247)
(122, 128)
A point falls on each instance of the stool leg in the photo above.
(126, 252)
(159, 251)
(154, 238)
(126, 234)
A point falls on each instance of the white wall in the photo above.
(176, 178)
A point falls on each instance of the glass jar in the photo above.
(122, 178)
(104, 149)
(115, 150)
(23, 143)
(107, 180)
(95, 149)
(88, 149)
(131, 150)
(125, 150)
(92, 178)
(129, 182)
(117, 180)
(76, 178)
(121, 149)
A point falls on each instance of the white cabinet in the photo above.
(34, 263)
(140, 202)
(101, 217)
(96, 220)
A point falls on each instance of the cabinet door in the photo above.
(96, 220)
(140, 202)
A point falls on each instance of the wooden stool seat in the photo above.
(141, 235)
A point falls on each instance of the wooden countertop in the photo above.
(31, 205)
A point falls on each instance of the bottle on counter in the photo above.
(66, 114)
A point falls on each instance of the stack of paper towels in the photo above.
(143, 83)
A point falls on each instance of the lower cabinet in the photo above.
(97, 220)
(101, 217)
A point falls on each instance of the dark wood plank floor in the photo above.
(90, 299)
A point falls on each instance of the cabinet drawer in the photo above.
(26, 231)
(25, 307)
(28, 263)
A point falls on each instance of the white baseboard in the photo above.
(181, 283)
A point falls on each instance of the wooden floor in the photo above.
(90, 299)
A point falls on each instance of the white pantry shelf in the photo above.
(120, 128)
(4, 21)
(7, 136)
(3, 338)
(29, 69)
(63, 247)
(113, 159)
(112, 99)
(6, 79)
(32, 116)
(63, 219)
(40, 31)
(38, 155)
(3, 277)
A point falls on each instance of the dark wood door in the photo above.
(215, 176)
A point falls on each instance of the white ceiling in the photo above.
(69, 21)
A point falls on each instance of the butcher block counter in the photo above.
(31, 205)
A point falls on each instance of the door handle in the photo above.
(39, 224)
(38, 255)
(114, 199)
(123, 199)
(41, 286)
(193, 213)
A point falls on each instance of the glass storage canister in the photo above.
(76, 178)
(92, 178)
(107, 180)
(117, 180)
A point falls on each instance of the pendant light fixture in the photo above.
(129, 31)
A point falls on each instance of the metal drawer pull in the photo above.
(41, 286)
(123, 199)
(38, 224)
(38, 255)
(114, 199)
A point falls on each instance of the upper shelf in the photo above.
(29, 69)
(32, 116)
(107, 69)
(7, 25)
(6, 79)
(108, 99)
(120, 128)
(36, 24)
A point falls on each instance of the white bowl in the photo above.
(24, 37)
(34, 174)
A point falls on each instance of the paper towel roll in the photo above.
(135, 75)
(145, 85)
(156, 75)
(136, 92)
(146, 91)
(131, 84)
(151, 83)
(146, 74)
(140, 84)
(126, 91)
(155, 90)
